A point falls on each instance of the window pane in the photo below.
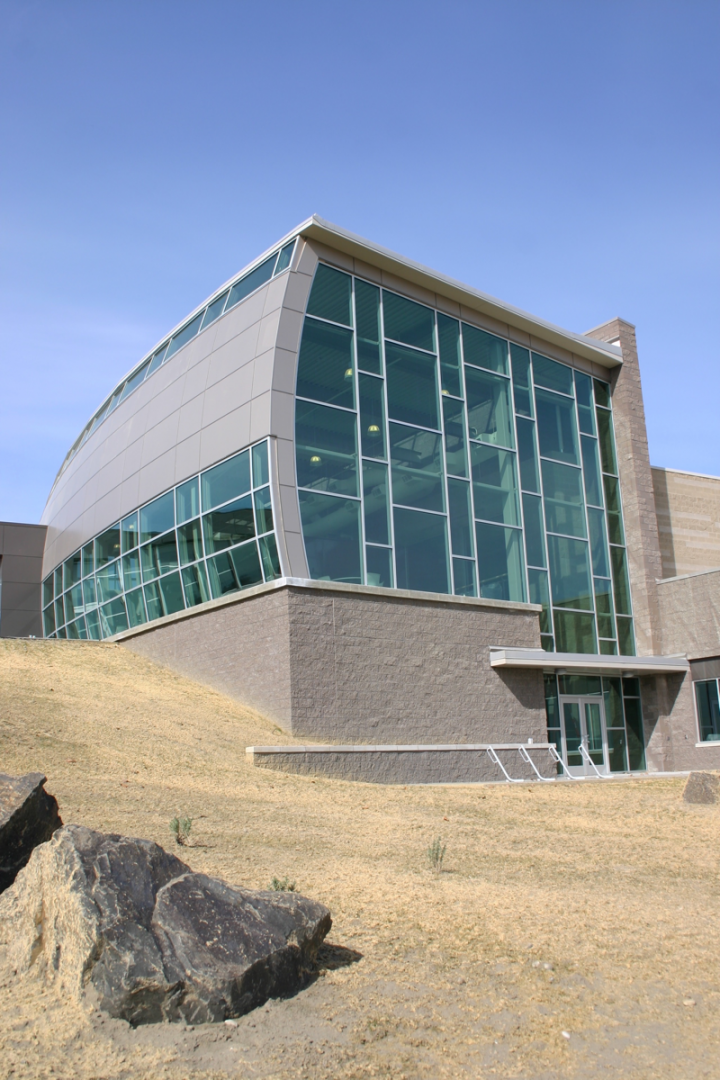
(109, 584)
(574, 632)
(521, 380)
(607, 441)
(464, 578)
(214, 310)
(591, 470)
(331, 530)
(187, 333)
(449, 341)
(135, 380)
(551, 375)
(250, 282)
(604, 608)
(159, 556)
(270, 557)
(129, 533)
(284, 257)
(617, 750)
(260, 467)
(48, 591)
(77, 630)
(325, 366)
(58, 581)
(569, 573)
(88, 559)
(708, 708)
(326, 448)
(158, 358)
(612, 693)
(157, 517)
(231, 525)
(367, 313)
(527, 452)
(107, 547)
(172, 596)
(598, 545)
(379, 567)
(501, 562)
(187, 500)
(72, 570)
(226, 481)
(563, 497)
(489, 410)
(552, 705)
(263, 510)
(190, 542)
(602, 393)
(48, 621)
(583, 393)
(614, 510)
(113, 617)
(406, 321)
(246, 563)
(417, 473)
(455, 447)
(460, 518)
(494, 484)
(372, 416)
(59, 612)
(534, 533)
(330, 295)
(90, 592)
(412, 387)
(484, 350)
(626, 637)
(421, 554)
(131, 570)
(556, 427)
(375, 503)
(136, 608)
(620, 580)
(222, 576)
(540, 594)
(634, 728)
(92, 621)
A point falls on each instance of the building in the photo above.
(384, 508)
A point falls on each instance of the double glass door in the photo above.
(583, 721)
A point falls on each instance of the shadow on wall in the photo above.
(526, 686)
(662, 510)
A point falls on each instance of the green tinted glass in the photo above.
(47, 591)
(552, 709)
(375, 502)
(449, 341)
(563, 496)
(263, 510)
(551, 375)
(406, 321)
(72, 570)
(489, 409)
(614, 510)
(635, 734)
(326, 449)
(591, 471)
(455, 445)
(130, 570)
(372, 416)
(484, 350)
(331, 529)
(92, 621)
(269, 556)
(158, 557)
(260, 467)
(604, 608)
(574, 632)
(129, 532)
(527, 453)
(626, 637)
(109, 585)
(569, 573)
(534, 533)
(540, 594)
(557, 430)
(367, 311)
(221, 576)
(499, 552)
(325, 364)
(136, 608)
(602, 393)
(521, 380)
(231, 525)
(379, 567)
(617, 751)
(607, 441)
(464, 577)
(708, 710)
(580, 685)
(190, 542)
(586, 411)
(157, 517)
(187, 500)
(620, 580)
(246, 564)
(330, 295)
(107, 547)
(88, 559)
(195, 584)
(421, 551)
(412, 387)
(49, 621)
(460, 517)
(417, 471)
(113, 617)
(494, 485)
(598, 544)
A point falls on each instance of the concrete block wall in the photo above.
(21, 555)
(688, 513)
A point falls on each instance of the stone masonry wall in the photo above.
(688, 512)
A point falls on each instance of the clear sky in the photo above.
(559, 154)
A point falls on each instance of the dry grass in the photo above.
(590, 909)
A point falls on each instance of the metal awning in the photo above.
(590, 664)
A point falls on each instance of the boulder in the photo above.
(28, 817)
(132, 926)
(702, 787)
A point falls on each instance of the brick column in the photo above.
(638, 499)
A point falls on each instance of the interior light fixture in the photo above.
(373, 429)
(315, 459)
(348, 373)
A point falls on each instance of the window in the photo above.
(708, 710)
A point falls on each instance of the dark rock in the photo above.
(28, 817)
(149, 939)
(702, 787)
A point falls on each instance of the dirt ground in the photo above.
(574, 931)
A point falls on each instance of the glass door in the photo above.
(584, 722)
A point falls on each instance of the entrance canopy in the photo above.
(592, 664)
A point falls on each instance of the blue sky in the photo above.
(562, 156)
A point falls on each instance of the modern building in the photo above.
(384, 508)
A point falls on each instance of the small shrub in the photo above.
(180, 828)
(436, 854)
(282, 885)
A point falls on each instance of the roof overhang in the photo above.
(599, 352)
(579, 663)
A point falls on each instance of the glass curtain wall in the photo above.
(432, 455)
(623, 715)
(707, 701)
(210, 536)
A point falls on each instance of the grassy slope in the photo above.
(615, 886)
